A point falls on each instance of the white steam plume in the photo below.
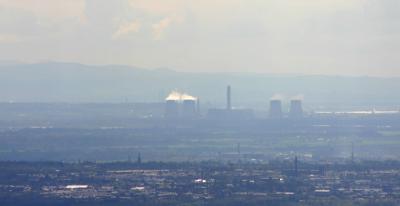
(178, 96)
(174, 95)
(298, 97)
(277, 97)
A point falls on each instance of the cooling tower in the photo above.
(275, 110)
(296, 109)
(171, 109)
(189, 108)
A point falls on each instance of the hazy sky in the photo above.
(340, 37)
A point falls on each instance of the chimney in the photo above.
(296, 169)
(198, 106)
(139, 158)
(352, 152)
(228, 98)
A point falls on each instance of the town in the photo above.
(193, 183)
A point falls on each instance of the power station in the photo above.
(184, 106)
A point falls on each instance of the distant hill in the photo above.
(69, 82)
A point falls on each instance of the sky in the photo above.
(330, 37)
